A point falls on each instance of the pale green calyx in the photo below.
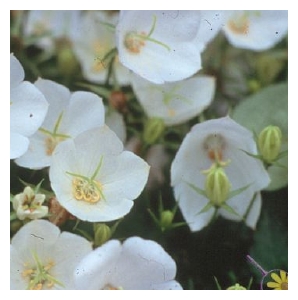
(102, 233)
(217, 185)
(154, 129)
(269, 142)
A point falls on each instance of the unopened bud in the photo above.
(166, 219)
(217, 185)
(237, 286)
(269, 142)
(102, 234)
(154, 129)
(67, 62)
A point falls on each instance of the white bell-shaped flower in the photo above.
(213, 161)
(256, 30)
(177, 102)
(160, 46)
(69, 114)
(137, 264)
(94, 179)
(43, 258)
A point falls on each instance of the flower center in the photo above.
(86, 190)
(284, 285)
(39, 277)
(53, 137)
(214, 145)
(134, 41)
(239, 25)
(51, 142)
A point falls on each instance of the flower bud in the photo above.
(269, 142)
(237, 286)
(166, 219)
(217, 185)
(154, 129)
(102, 234)
(67, 62)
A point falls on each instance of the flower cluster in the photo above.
(129, 131)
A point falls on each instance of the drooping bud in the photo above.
(217, 185)
(154, 129)
(269, 142)
(102, 233)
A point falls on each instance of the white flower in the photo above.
(94, 179)
(29, 204)
(175, 103)
(28, 108)
(137, 264)
(256, 30)
(159, 46)
(95, 39)
(43, 258)
(219, 141)
(69, 114)
(51, 25)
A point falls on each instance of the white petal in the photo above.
(95, 270)
(68, 252)
(36, 156)
(57, 96)
(18, 145)
(155, 62)
(143, 263)
(129, 177)
(175, 103)
(212, 22)
(263, 29)
(85, 111)
(28, 108)
(17, 73)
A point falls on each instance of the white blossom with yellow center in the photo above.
(43, 258)
(69, 114)
(28, 108)
(256, 30)
(93, 43)
(94, 179)
(160, 46)
(137, 264)
(175, 103)
(220, 142)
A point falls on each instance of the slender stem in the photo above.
(253, 262)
